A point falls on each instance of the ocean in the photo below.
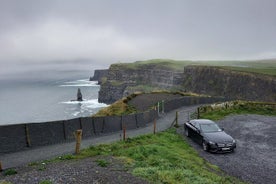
(41, 96)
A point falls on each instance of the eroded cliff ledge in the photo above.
(122, 80)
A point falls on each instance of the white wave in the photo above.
(80, 83)
(93, 103)
(76, 113)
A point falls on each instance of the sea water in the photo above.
(45, 96)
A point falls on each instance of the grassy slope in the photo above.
(267, 67)
(162, 158)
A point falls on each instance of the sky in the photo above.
(35, 33)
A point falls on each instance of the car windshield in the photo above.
(210, 127)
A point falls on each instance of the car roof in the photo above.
(202, 121)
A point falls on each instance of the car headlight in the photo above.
(210, 142)
(234, 141)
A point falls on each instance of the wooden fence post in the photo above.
(158, 108)
(163, 106)
(198, 115)
(154, 126)
(124, 132)
(176, 119)
(78, 135)
(28, 139)
(1, 169)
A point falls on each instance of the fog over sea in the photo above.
(41, 96)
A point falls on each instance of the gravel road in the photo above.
(254, 160)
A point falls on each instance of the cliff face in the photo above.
(232, 84)
(122, 81)
(99, 75)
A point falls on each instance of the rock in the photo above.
(79, 95)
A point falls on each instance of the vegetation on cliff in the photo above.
(165, 64)
(139, 101)
(118, 108)
(267, 67)
(219, 111)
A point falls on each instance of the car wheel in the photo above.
(204, 146)
(187, 132)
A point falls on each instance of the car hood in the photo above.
(218, 137)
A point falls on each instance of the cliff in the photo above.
(123, 79)
(99, 75)
(216, 81)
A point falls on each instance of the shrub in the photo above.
(102, 163)
(9, 172)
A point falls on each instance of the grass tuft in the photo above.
(102, 163)
(9, 172)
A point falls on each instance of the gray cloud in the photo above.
(105, 31)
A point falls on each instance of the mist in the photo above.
(68, 34)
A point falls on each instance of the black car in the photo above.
(209, 135)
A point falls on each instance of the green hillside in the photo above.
(267, 67)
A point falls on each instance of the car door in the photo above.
(193, 130)
(197, 133)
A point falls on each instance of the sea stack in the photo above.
(79, 95)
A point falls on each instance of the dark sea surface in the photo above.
(41, 96)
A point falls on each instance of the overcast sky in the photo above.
(108, 31)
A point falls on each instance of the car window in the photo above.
(196, 124)
(210, 127)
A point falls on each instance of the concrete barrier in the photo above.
(129, 121)
(12, 138)
(98, 123)
(112, 124)
(46, 133)
(140, 120)
(70, 127)
(87, 127)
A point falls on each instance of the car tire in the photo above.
(204, 146)
(187, 132)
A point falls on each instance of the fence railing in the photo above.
(25, 136)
